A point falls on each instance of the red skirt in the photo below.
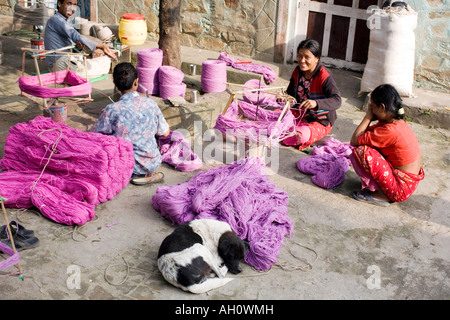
(306, 133)
(396, 184)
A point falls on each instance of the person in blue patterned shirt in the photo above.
(136, 119)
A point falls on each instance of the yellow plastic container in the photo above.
(132, 29)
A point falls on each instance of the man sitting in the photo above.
(59, 33)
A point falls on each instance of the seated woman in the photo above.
(317, 96)
(387, 154)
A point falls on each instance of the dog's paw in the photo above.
(223, 271)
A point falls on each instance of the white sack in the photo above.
(391, 51)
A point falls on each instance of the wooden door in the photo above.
(340, 26)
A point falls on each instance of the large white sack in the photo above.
(96, 67)
(391, 51)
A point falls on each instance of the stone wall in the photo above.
(6, 5)
(241, 27)
(247, 28)
(432, 56)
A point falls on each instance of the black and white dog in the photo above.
(197, 255)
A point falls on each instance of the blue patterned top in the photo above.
(136, 119)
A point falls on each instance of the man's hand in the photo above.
(107, 50)
(79, 45)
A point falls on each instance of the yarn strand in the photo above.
(53, 149)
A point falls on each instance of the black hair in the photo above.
(311, 45)
(124, 75)
(390, 97)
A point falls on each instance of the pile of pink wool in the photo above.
(239, 194)
(84, 169)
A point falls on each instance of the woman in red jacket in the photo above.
(316, 94)
(387, 154)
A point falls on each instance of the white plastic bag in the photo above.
(391, 51)
(96, 67)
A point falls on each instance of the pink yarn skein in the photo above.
(85, 169)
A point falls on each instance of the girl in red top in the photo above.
(317, 96)
(387, 154)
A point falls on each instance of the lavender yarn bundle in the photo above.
(239, 194)
(259, 97)
(176, 151)
(327, 163)
(149, 61)
(13, 257)
(256, 131)
(267, 72)
(214, 76)
(62, 171)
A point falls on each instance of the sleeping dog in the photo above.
(197, 255)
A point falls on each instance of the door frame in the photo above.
(298, 27)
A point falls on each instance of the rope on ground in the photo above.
(284, 266)
(308, 266)
(126, 274)
(75, 230)
(19, 214)
(53, 150)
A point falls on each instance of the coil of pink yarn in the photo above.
(170, 82)
(149, 62)
(169, 91)
(150, 58)
(148, 80)
(214, 76)
(170, 75)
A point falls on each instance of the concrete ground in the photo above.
(341, 249)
